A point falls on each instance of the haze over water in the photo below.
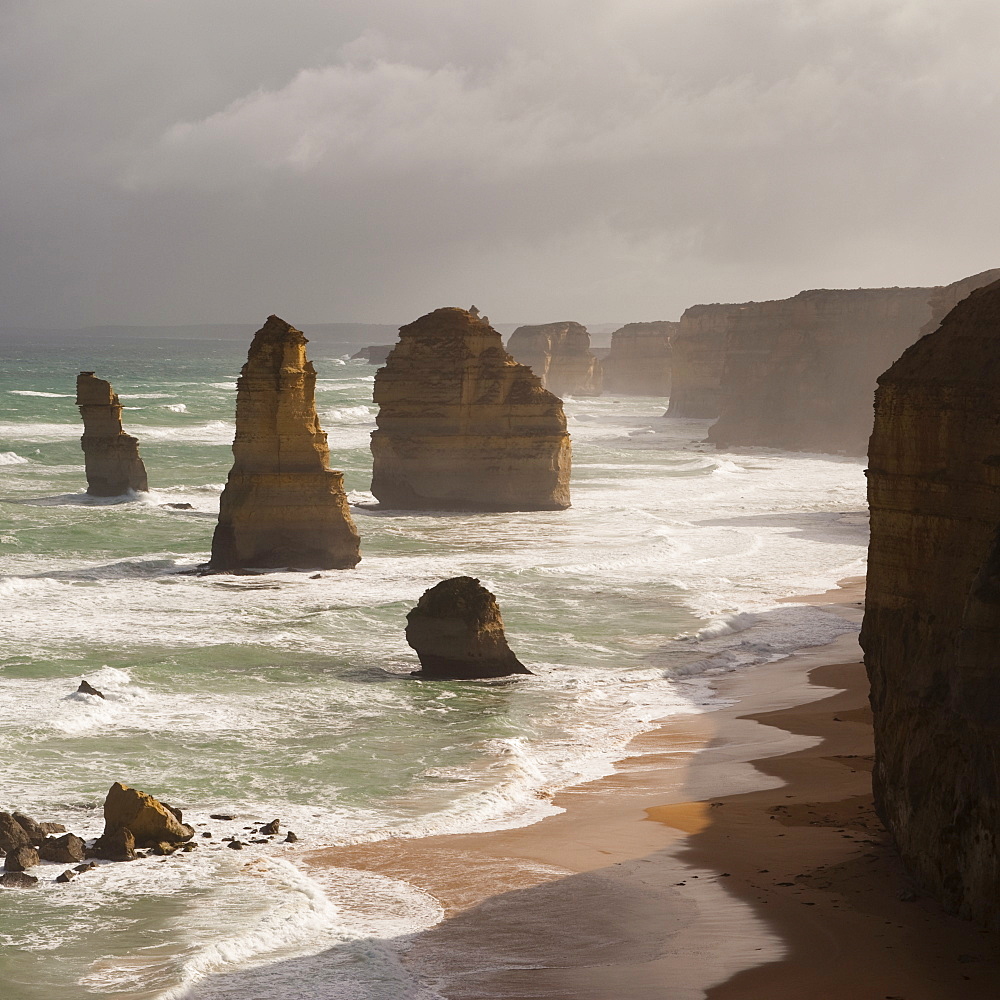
(286, 696)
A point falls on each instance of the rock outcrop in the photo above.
(457, 632)
(697, 360)
(463, 426)
(932, 620)
(559, 354)
(282, 505)
(374, 354)
(149, 821)
(111, 456)
(639, 363)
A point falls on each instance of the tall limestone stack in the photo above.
(111, 456)
(559, 354)
(282, 505)
(639, 363)
(698, 357)
(463, 426)
(931, 631)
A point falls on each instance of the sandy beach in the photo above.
(736, 856)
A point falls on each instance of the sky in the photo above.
(214, 161)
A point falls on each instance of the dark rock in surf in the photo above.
(180, 506)
(290, 838)
(63, 849)
(20, 858)
(18, 880)
(119, 845)
(87, 688)
(66, 876)
(457, 632)
(271, 828)
(235, 845)
(222, 816)
(12, 834)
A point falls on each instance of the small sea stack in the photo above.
(559, 354)
(111, 456)
(457, 632)
(463, 426)
(139, 818)
(282, 506)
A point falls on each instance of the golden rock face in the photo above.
(698, 356)
(282, 505)
(640, 363)
(463, 426)
(932, 618)
(111, 456)
(559, 354)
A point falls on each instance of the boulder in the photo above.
(463, 426)
(12, 833)
(18, 880)
(87, 688)
(271, 828)
(149, 820)
(457, 632)
(20, 858)
(66, 876)
(111, 456)
(63, 849)
(282, 506)
(118, 845)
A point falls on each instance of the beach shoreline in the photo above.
(734, 854)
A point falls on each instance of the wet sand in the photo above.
(736, 856)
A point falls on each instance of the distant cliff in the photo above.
(639, 363)
(932, 621)
(698, 356)
(559, 354)
(463, 426)
(110, 455)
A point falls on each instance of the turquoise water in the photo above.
(285, 696)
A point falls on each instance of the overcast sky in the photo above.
(189, 161)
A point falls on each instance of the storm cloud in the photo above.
(185, 161)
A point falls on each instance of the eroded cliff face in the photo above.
(698, 357)
(282, 505)
(639, 363)
(944, 298)
(111, 456)
(559, 354)
(931, 631)
(463, 426)
(800, 373)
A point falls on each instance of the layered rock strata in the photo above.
(639, 363)
(111, 456)
(932, 620)
(559, 354)
(697, 360)
(463, 426)
(457, 632)
(282, 505)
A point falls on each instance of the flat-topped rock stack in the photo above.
(698, 358)
(463, 426)
(559, 354)
(932, 615)
(639, 363)
(111, 456)
(282, 505)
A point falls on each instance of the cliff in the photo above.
(111, 456)
(639, 363)
(374, 354)
(463, 426)
(559, 354)
(698, 354)
(282, 505)
(944, 298)
(932, 620)
(457, 632)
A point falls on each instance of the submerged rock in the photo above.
(148, 820)
(932, 613)
(87, 688)
(463, 426)
(457, 632)
(282, 505)
(559, 354)
(66, 876)
(111, 456)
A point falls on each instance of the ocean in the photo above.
(283, 696)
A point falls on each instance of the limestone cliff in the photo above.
(932, 620)
(944, 298)
(111, 456)
(457, 632)
(639, 362)
(282, 505)
(463, 426)
(698, 354)
(559, 354)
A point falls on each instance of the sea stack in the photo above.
(932, 620)
(559, 354)
(111, 456)
(639, 363)
(698, 357)
(282, 505)
(463, 426)
(457, 632)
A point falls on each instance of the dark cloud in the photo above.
(212, 160)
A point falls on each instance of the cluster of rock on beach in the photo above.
(136, 825)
